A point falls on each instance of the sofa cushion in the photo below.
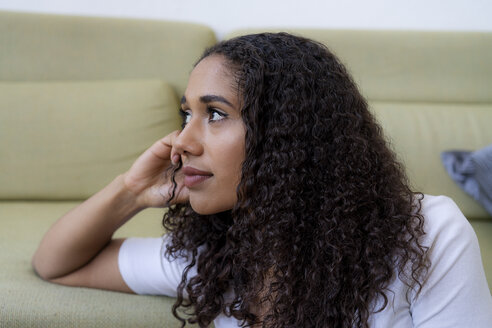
(28, 301)
(59, 47)
(66, 140)
(419, 132)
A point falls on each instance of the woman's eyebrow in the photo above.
(214, 98)
(210, 98)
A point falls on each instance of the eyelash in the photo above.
(210, 110)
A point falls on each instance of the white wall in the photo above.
(226, 15)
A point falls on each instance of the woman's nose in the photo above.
(189, 141)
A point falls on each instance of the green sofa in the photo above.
(81, 98)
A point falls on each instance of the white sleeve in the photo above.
(455, 291)
(145, 268)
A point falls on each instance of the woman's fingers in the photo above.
(150, 174)
(162, 148)
(175, 156)
(159, 154)
(175, 159)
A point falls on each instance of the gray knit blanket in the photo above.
(472, 171)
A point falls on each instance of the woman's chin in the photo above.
(208, 207)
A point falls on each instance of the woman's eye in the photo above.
(213, 116)
(216, 115)
(185, 116)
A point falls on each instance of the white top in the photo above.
(454, 294)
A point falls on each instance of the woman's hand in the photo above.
(149, 178)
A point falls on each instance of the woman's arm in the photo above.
(78, 250)
(84, 232)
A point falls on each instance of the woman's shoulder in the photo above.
(440, 206)
(444, 221)
(454, 289)
(448, 236)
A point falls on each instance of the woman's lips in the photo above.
(194, 176)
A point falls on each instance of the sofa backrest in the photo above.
(82, 97)
(431, 92)
(410, 66)
(40, 47)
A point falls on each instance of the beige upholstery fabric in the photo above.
(80, 99)
(67, 140)
(419, 132)
(56, 47)
(406, 66)
(27, 301)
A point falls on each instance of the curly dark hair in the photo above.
(325, 217)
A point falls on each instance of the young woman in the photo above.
(286, 208)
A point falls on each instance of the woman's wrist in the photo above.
(124, 199)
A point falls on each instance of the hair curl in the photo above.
(325, 217)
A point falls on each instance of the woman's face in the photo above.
(212, 142)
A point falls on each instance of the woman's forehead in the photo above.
(211, 76)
